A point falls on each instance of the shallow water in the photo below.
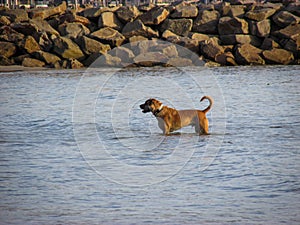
(76, 148)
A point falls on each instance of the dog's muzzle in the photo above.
(145, 108)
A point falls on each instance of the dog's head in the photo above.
(151, 105)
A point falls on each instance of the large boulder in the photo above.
(50, 11)
(109, 36)
(4, 20)
(46, 57)
(109, 19)
(293, 7)
(180, 27)
(285, 18)
(247, 54)
(43, 26)
(7, 49)
(278, 56)
(72, 17)
(66, 48)
(211, 48)
(261, 28)
(293, 46)
(226, 59)
(25, 28)
(137, 28)
(259, 14)
(16, 15)
(233, 10)
(125, 54)
(4, 61)
(10, 35)
(199, 37)
(207, 22)
(290, 32)
(233, 39)
(127, 13)
(73, 30)
(90, 46)
(43, 40)
(155, 16)
(184, 10)
(150, 59)
(30, 45)
(188, 43)
(30, 62)
(269, 43)
(235, 25)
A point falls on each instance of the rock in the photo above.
(233, 10)
(4, 61)
(25, 28)
(261, 28)
(247, 54)
(43, 26)
(150, 59)
(155, 16)
(30, 45)
(16, 15)
(89, 45)
(234, 25)
(188, 43)
(207, 22)
(260, 14)
(290, 32)
(278, 56)
(184, 10)
(44, 41)
(109, 36)
(127, 13)
(10, 35)
(293, 46)
(66, 48)
(285, 18)
(179, 62)
(226, 59)
(137, 28)
(30, 62)
(125, 54)
(46, 57)
(294, 8)
(109, 19)
(268, 44)
(93, 13)
(72, 17)
(73, 30)
(233, 39)
(211, 48)
(74, 64)
(107, 61)
(7, 49)
(47, 12)
(19, 59)
(137, 39)
(91, 59)
(180, 27)
(166, 34)
(170, 51)
(199, 37)
(4, 20)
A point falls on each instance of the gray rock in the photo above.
(278, 56)
(66, 48)
(247, 54)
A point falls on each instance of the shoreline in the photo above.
(220, 34)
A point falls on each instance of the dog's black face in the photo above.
(146, 107)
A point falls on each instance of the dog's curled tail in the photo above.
(210, 103)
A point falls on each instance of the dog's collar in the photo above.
(155, 113)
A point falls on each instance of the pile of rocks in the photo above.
(221, 34)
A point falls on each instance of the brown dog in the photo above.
(170, 119)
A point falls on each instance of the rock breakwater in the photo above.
(219, 34)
